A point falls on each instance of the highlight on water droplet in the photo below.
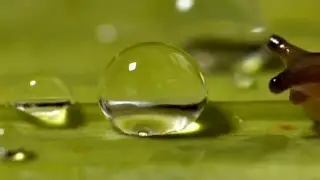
(184, 5)
(45, 101)
(143, 133)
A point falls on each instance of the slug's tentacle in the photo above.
(294, 77)
(287, 51)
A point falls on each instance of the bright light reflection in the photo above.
(33, 82)
(48, 113)
(19, 156)
(143, 134)
(132, 66)
(52, 117)
(180, 124)
(136, 103)
(1, 131)
(184, 5)
(257, 30)
(192, 127)
(274, 40)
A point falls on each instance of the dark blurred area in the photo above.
(67, 38)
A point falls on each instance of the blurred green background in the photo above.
(75, 39)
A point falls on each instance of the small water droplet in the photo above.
(45, 101)
(16, 155)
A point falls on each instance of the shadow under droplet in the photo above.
(214, 121)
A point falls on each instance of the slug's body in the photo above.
(301, 77)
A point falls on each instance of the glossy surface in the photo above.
(258, 144)
(131, 88)
(76, 39)
(37, 87)
(248, 138)
(135, 74)
(301, 76)
(43, 100)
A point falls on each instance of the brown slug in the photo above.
(301, 77)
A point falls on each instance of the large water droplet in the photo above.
(152, 86)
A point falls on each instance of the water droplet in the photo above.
(45, 101)
(18, 155)
(147, 86)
